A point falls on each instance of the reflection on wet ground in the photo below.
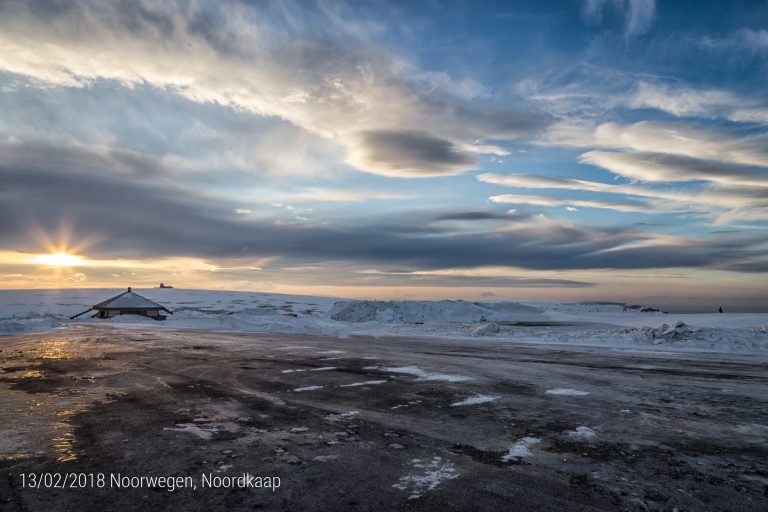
(55, 349)
(64, 440)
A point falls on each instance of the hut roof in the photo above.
(128, 300)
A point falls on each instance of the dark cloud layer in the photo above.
(411, 153)
(150, 217)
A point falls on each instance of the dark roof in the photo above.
(128, 300)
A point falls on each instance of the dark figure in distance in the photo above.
(721, 309)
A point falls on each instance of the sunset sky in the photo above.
(580, 150)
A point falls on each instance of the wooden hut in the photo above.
(127, 303)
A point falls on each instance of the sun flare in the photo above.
(59, 259)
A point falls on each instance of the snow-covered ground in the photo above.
(608, 324)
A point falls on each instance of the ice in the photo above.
(566, 392)
(520, 449)
(476, 400)
(424, 375)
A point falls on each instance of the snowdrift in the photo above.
(434, 312)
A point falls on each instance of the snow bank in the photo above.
(604, 324)
(441, 311)
(487, 329)
(676, 331)
(28, 323)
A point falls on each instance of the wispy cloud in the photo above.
(626, 206)
(664, 167)
(338, 85)
(722, 203)
(638, 14)
(341, 195)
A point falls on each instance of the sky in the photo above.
(578, 150)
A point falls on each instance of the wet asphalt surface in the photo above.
(356, 424)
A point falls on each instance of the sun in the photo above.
(59, 259)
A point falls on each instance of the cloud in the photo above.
(473, 215)
(687, 140)
(626, 206)
(188, 135)
(466, 278)
(409, 154)
(137, 219)
(725, 203)
(685, 101)
(313, 68)
(340, 195)
(661, 167)
(536, 181)
(638, 14)
(710, 143)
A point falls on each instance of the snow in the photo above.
(366, 383)
(308, 388)
(476, 400)
(582, 432)
(425, 375)
(193, 429)
(128, 299)
(603, 324)
(298, 370)
(485, 329)
(442, 311)
(342, 416)
(520, 449)
(426, 477)
(566, 392)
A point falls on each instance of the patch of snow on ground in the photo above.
(566, 392)
(424, 375)
(427, 477)
(191, 428)
(366, 383)
(476, 400)
(485, 329)
(299, 370)
(582, 433)
(520, 449)
(308, 388)
(407, 404)
(342, 416)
